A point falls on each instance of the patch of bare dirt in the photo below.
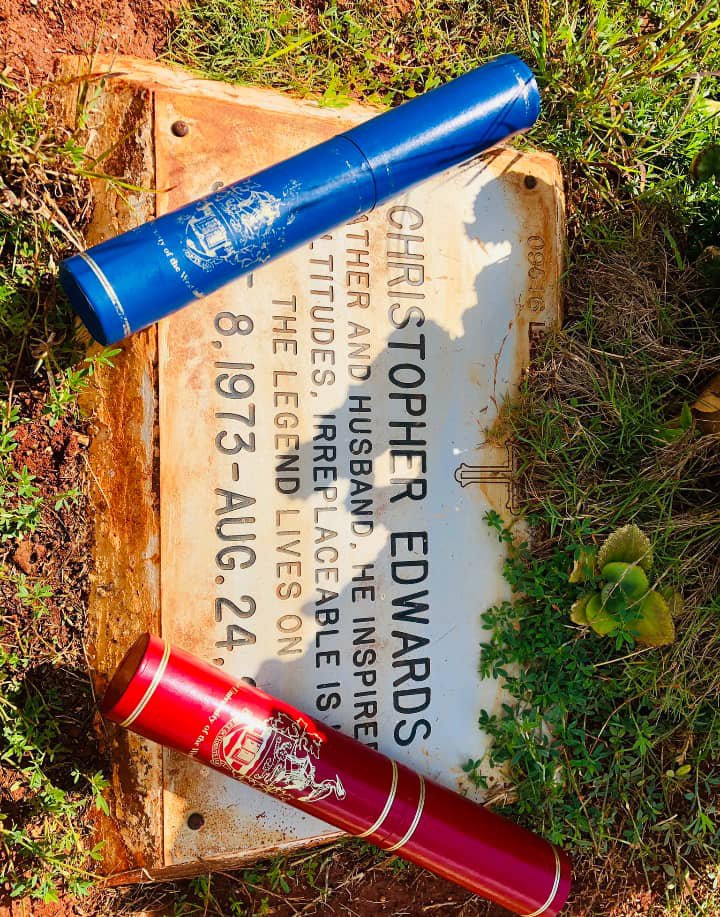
(50, 453)
(46, 632)
(343, 880)
(34, 33)
(56, 552)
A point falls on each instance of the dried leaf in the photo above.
(628, 544)
(655, 626)
(707, 407)
(584, 567)
(706, 164)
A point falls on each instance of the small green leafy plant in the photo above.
(599, 750)
(62, 398)
(621, 602)
(20, 502)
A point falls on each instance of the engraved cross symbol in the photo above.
(493, 473)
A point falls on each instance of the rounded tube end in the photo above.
(448, 125)
(87, 290)
(129, 667)
(527, 83)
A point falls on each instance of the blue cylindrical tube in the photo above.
(137, 278)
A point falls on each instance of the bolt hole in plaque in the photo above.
(195, 821)
(325, 462)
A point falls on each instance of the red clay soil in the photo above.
(35, 33)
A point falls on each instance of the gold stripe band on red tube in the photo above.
(152, 687)
(553, 892)
(411, 830)
(388, 804)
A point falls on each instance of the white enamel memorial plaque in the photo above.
(324, 465)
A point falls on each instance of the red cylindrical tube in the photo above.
(175, 699)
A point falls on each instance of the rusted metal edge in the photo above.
(132, 71)
(215, 864)
(122, 462)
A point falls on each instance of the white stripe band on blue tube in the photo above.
(110, 292)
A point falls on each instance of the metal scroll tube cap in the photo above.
(201, 710)
(137, 278)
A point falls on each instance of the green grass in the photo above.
(41, 203)
(610, 750)
(330, 879)
(200, 898)
(626, 87)
(48, 756)
(629, 780)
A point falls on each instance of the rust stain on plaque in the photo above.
(124, 590)
(539, 204)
